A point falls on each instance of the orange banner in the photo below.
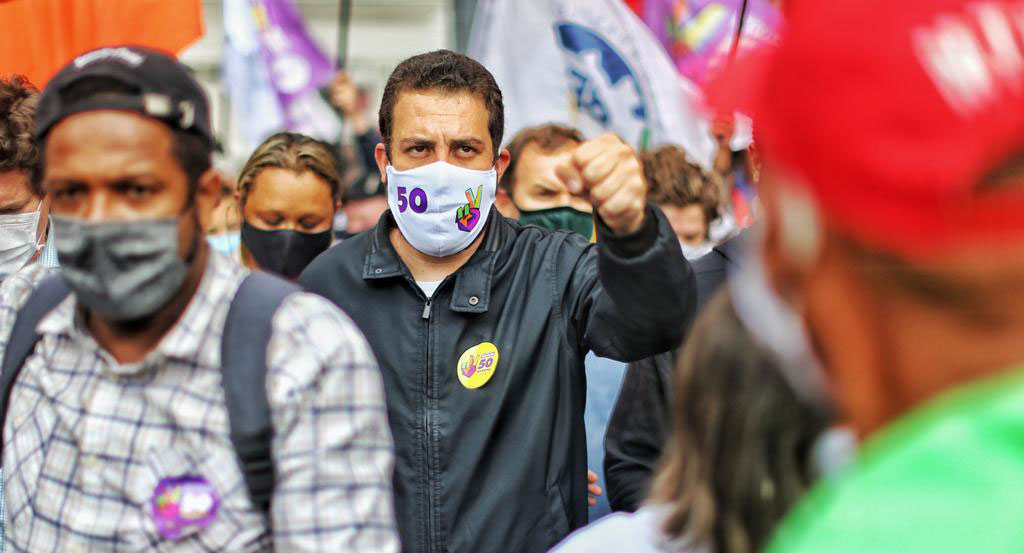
(41, 36)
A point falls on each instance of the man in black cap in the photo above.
(128, 425)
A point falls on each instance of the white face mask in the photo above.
(693, 253)
(18, 240)
(441, 208)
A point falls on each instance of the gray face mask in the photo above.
(122, 270)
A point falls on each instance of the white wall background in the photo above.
(381, 33)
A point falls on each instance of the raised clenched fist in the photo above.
(607, 172)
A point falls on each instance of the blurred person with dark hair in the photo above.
(481, 324)
(287, 192)
(364, 198)
(739, 455)
(24, 207)
(638, 426)
(126, 422)
(689, 196)
(362, 204)
(893, 189)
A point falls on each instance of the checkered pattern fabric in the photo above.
(88, 439)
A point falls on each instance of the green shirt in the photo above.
(947, 477)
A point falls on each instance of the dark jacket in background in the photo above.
(503, 467)
(639, 423)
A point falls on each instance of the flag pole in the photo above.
(739, 33)
(344, 17)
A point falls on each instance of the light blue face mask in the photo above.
(226, 243)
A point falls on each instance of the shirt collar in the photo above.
(220, 280)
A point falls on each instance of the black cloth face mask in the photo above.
(285, 252)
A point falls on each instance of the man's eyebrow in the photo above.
(466, 141)
(417, 141)
(148, 179)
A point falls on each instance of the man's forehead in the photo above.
(534, 159)
(123, 129)
(108, 134)
(437, 110)
(108, 144)
(537, 151)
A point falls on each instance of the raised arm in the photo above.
(633, 294)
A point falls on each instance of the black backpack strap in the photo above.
(247, 332)
(47, 295)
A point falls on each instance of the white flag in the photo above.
(253, 99)
(590, 64)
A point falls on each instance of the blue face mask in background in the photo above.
(226, 243)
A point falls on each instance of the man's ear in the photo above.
(381, 155)
(208, 194)
(502, 163)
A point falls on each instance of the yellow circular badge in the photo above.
(477, 365)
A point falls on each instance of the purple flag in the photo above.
(698, 34)
(298, 68)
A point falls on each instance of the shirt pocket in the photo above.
(235, 526)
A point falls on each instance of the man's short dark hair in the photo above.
(193, 151)
(18, 148)
(548, 138)
(445, 70)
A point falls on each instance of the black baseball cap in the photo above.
(156, 85)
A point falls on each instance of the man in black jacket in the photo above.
(638, 426)
(480, 325)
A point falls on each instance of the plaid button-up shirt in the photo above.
(88, 439)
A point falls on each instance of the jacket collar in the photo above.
(472, 292)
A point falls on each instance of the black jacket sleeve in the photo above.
(630, 297)
(637, 431)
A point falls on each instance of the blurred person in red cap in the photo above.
(893, 188)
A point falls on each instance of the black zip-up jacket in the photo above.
(502, 468)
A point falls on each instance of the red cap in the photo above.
(893, 112)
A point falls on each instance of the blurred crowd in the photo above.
(428, 336)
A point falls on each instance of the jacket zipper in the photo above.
(428, 438)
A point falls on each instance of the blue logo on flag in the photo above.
(604, 86)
